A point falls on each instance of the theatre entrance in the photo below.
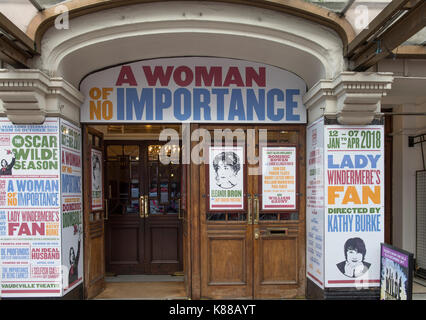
(231, 240)
(253, 239)
(143, 224)
(143, 229)
(133, 213)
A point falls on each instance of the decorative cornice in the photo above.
(28, 96)
(351, 98)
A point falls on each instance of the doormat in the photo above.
(144, 278)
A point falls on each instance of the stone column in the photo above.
(342, 211)
(40, 189)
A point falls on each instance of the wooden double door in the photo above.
(257, 251)
(143, 229)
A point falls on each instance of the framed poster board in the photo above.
(396, 273)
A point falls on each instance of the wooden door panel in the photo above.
(278, 260)
(95, 268)
(162, 244)
(226, 264)
(227, 260)
(277, 269)
(120, 253)
(94, 241)
(123, 258)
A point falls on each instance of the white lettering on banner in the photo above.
(193, 90)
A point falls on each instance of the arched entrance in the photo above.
(98, 40)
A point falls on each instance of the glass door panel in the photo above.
(123, 179)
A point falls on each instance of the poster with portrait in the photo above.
(96, 177)
(396, 273)
(354, 210)
(72, 215)
(278, 178)
(226, 178)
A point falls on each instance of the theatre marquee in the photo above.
(193, 89)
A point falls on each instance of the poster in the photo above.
(193, 89)
(72, 219)
(96, 177)
(278, 178)
(396, 274)
(315, 242)
(226, 178)
(30, 217)
(354, 211)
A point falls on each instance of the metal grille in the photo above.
(421, 220)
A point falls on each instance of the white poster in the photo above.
(354, 218)
(226, 178)
(315, 202)
(278, 178)
(30, 219)
(96, 177)
(72, 219)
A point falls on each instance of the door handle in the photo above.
(256, 210)
(249, 210)
(106, 210)
(141, 207)
(146, 207)
(256, 234)
(179, 211)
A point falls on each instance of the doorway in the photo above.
(143, 229)
(257, 250)
(134, 213)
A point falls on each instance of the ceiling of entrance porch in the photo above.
(357, 12)
(146, 31)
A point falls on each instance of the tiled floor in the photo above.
(144, 278)
(143, 287)
(172, 287)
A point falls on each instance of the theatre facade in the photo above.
(237, 144)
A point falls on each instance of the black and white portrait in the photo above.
(354, 265)
(226, 166)
(96, 173)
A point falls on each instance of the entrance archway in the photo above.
(135, 32)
